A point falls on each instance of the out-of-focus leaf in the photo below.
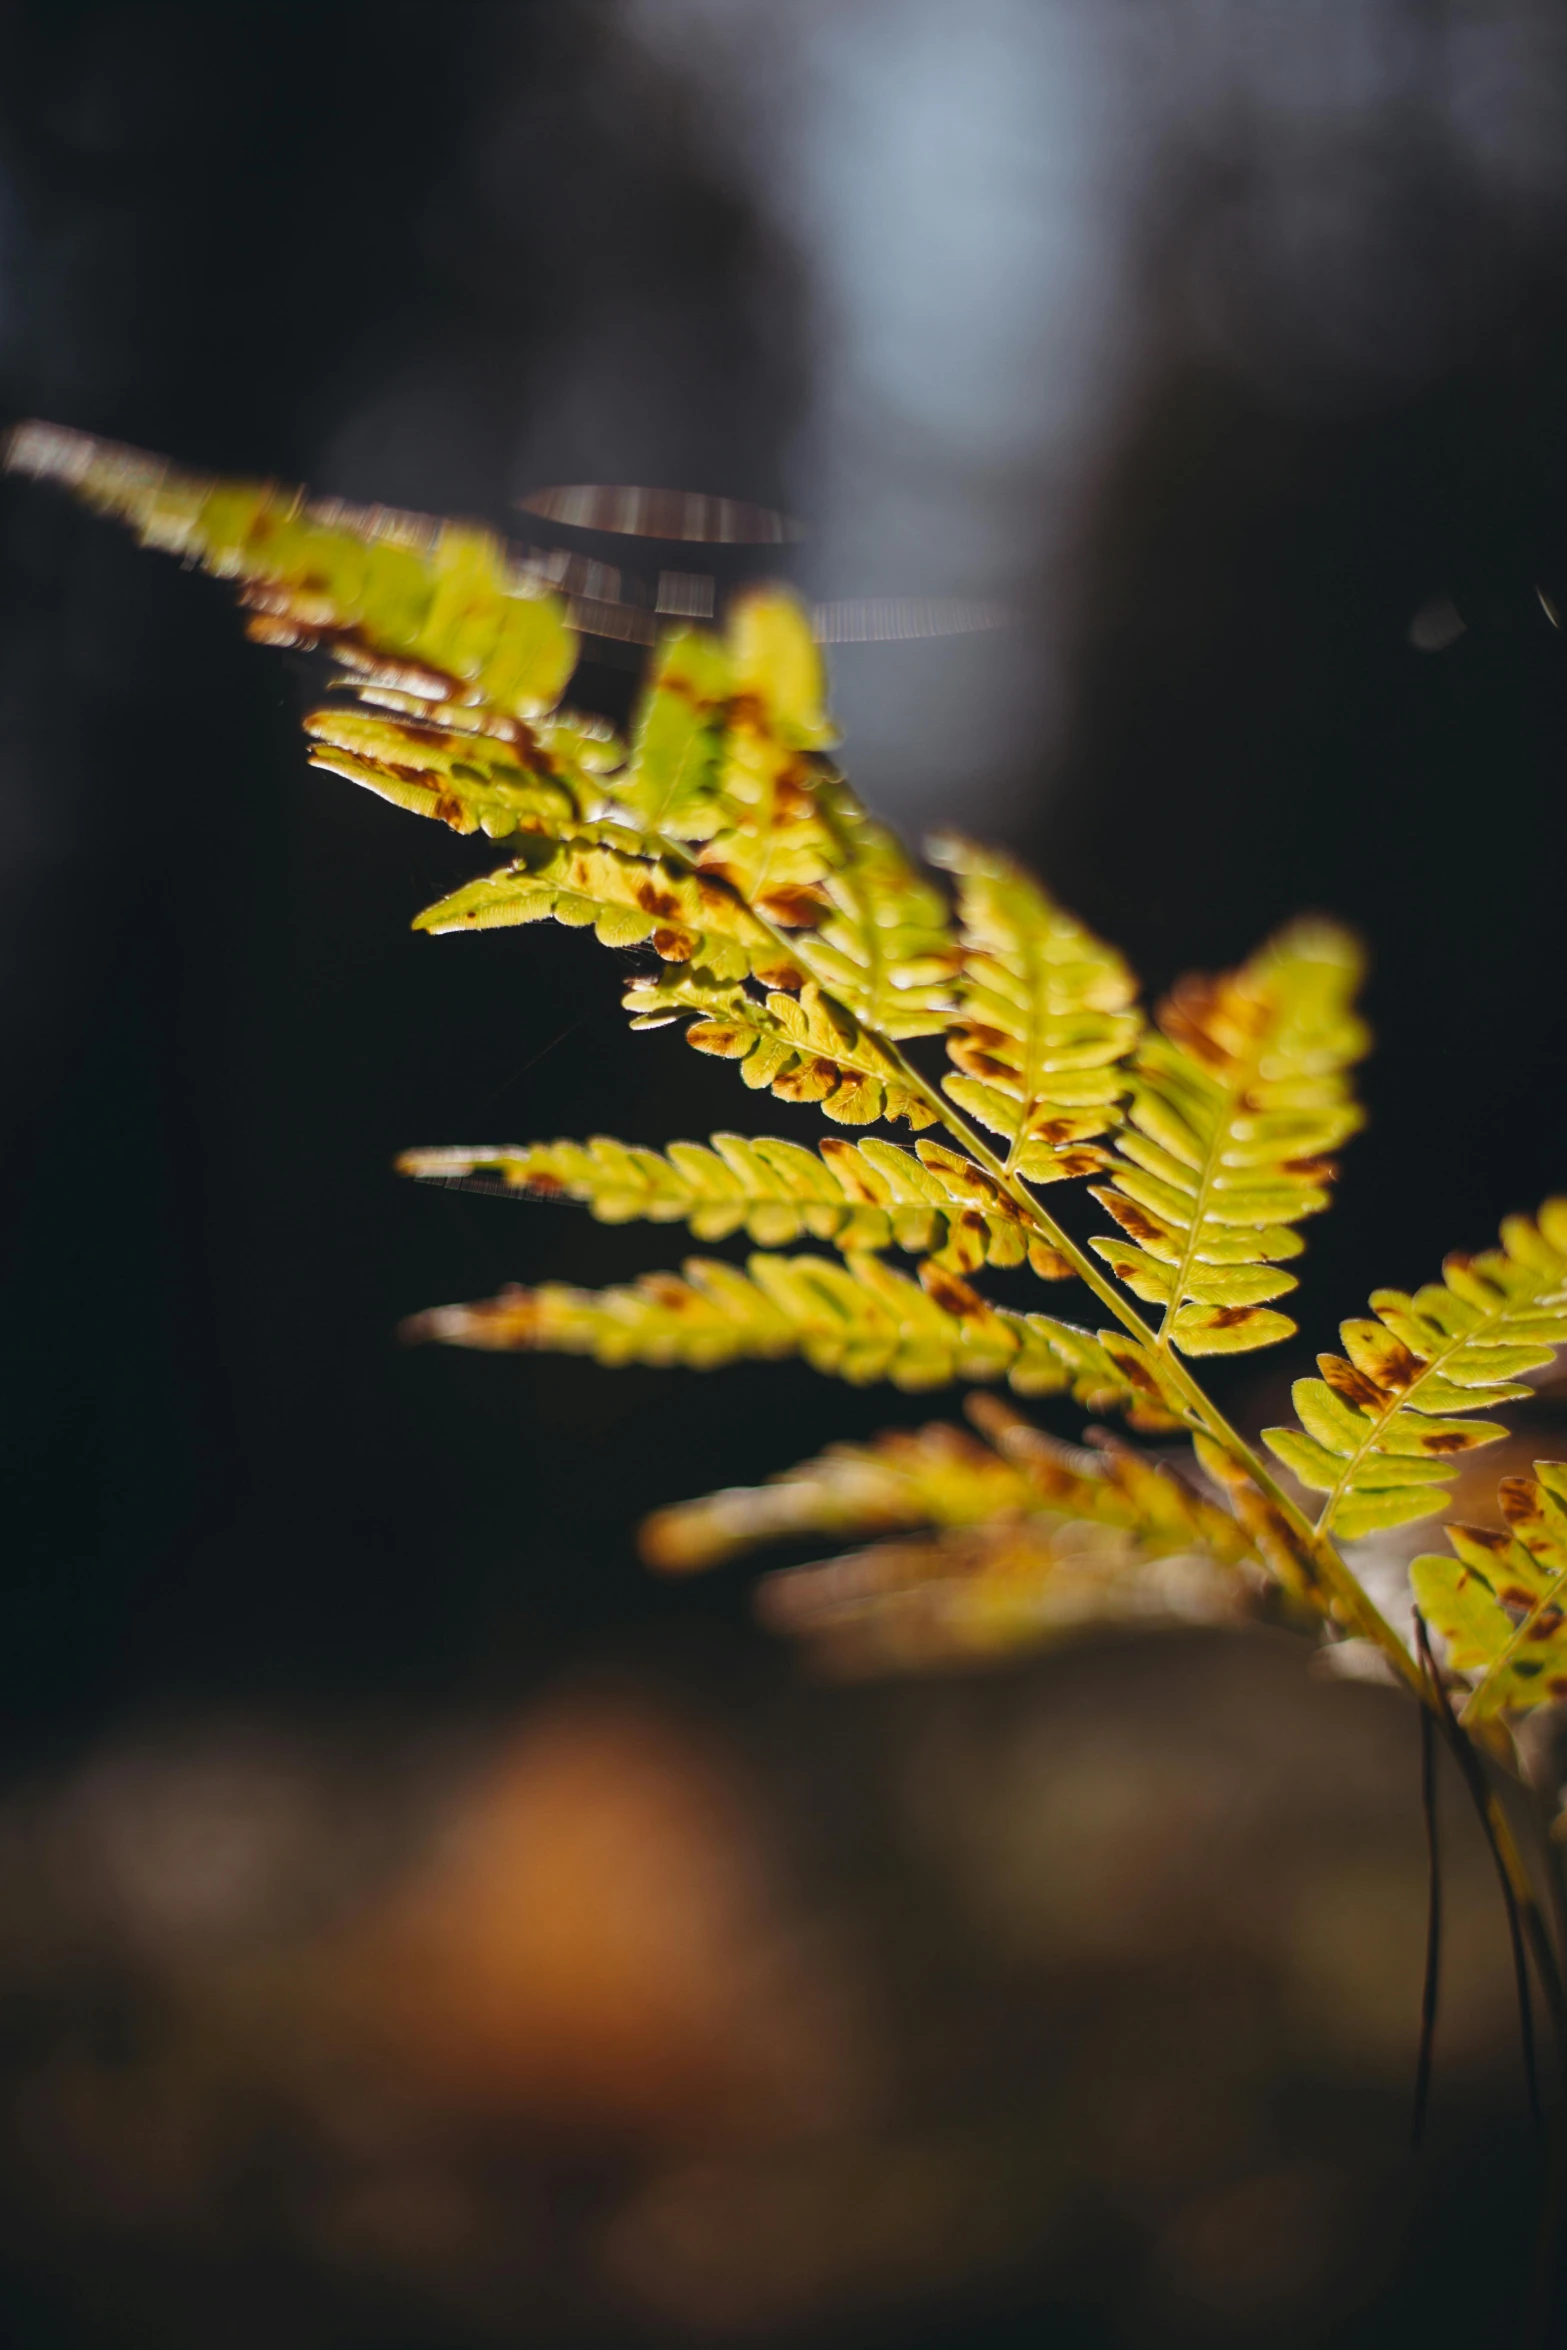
(1500, 1603)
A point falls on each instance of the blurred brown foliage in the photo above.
(1087, 1987)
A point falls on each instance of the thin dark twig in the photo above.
(1468, 1762)
(1431, 1989)
(517, 1075)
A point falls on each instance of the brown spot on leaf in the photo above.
(676, 946)
(952, 1295)
(1311, 1170)
(1546, 1625)
(1048, 1262)
(796, 906)
(1520, 1501)
(1132, 1218)
(1133, 1369)
(654, 900)
(666, 1290)
(1192, 1015)
(793, 795)
(1444, 1444)
(983, 1064)
(1491, 1538)
(1353, 1385)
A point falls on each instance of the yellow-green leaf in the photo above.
(1501, 1603)
(1236, 1099)
(805, 1049)
(857, 1320)
(628, 899)
(861, 1196)
(1382, 1416)
(1045, 1016)
(433, 607)
(940, 1476)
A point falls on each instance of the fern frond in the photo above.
(1030, 1540)
(940, 1476)
(1044, 1016)
(1377, 1434)
(907, 1478)
(980, 1592)
(870, 1195)
(465, 768)
(1500, 1603)
(983, 1592)
(803, 1049)
(603, 881)
(431, 608)
(858, 1321)
(1235, 1100)
(724, 761)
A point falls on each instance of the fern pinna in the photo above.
(787, 931)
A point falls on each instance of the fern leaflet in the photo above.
(1029, 1540)
(1042, 1020)
(430, 608)
(464, 767)
(1235, 1099)
(627, 900)
(1500, 1603)
(803, 1049)
(941, 1476)
(869, 1195)
(1377, 1434)
(725, 762)
(857, 1321)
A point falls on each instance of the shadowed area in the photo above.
(1085, 1991)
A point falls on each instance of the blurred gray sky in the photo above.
(1010, 209)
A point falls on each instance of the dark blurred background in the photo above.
(1226, 346)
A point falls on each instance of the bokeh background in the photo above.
(417, 1925)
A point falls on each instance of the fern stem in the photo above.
(1524, 1917)
(1430, 1993)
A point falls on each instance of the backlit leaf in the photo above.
(856, 1320)
(434, 608)
(1384, 1441)
(868, 1195)
(1045, 1015)
(1500, 1603)
(1235, 1100)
